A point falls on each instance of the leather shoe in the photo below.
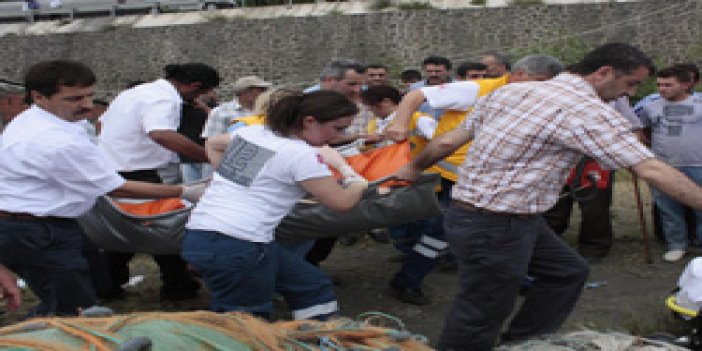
(408, 295)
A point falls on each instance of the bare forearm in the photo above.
(440, 147)
(349, 198)
(409, 104)
(670, 181)
(179, 144)
(215, 148)
(134, 189)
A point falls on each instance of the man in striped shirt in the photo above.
(526, 137)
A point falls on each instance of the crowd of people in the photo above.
(514, 144)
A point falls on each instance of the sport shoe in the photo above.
(673, 255)
(408, 295)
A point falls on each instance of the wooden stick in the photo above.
(642, 219)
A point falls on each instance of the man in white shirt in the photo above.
(139, 135)
(50, 173)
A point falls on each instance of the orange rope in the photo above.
(89, 339)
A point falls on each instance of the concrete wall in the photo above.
(291, 50)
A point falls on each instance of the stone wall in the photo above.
(292, 50)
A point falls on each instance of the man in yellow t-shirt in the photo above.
(457, 100)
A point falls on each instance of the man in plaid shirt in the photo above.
(526, 137)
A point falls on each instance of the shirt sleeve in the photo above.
(622, 106)
(605, 135)
(473, 119)
(307, 164)
(211, 128)
(426, 126)
(81, 168)
(644, 116)
(161, 115)
(459, 96)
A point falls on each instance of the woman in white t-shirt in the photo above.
(260, 176)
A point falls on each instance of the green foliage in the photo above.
(415, 6)
(478, 2)
(335, 12)
(525, 2)
(378, 5)
(563, 46)
(114, 26)
(649, 85)
(218, 17)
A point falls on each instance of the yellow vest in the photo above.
(417, 142)
(451, 120)
(251, 120)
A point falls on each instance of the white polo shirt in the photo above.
(129, 119)
(49, 167)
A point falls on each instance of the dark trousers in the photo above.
(174, 275)
(427, 246)
(596, 235)
(494, 253)
(47, 254)
(321, 249)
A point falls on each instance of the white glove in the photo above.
(331, 157)
(350, 176)
(194, 192)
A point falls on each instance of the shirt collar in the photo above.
(48, 117)
(169, 87)
(577, 82)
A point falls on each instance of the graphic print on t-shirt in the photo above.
(242, 161)
(674, 117)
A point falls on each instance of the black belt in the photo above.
(471, 208)
(28, 216)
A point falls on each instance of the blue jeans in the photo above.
(192, 172)
(242, 276)
(298, 248)
(47, 254)
(672, 213)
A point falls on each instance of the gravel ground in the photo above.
(629, 293)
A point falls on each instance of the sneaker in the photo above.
(673, 255)
(408, 295)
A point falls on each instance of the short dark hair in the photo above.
(376, 65)
(285, 116)
(681, 75)
(410, 74)
(47, 77)
(624, 58)
(464, 67)
(501, 59)
(337, 68)
(437, 60)
(375, 94)
(691, 68)
(193, 73)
